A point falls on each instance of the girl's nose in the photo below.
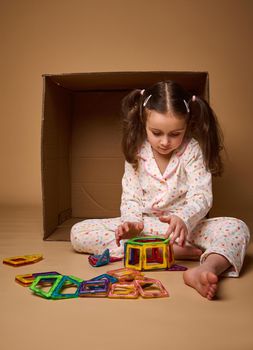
(164, 141)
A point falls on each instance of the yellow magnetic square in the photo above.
(128, 257)
(171, 258)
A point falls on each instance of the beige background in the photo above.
(59, 36)
(114, 35)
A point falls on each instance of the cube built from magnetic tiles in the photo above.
(148, 253)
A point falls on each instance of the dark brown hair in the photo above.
(202, 123)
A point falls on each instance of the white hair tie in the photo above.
(142, 92)
(146, 100)
(187, 106)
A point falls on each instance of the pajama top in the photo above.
(184, 189)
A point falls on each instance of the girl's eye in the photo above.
(156, 133)
(174, 135)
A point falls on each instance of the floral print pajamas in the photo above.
(185, 190)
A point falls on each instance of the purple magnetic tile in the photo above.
(45, 273)
(176, 267)
(103, 286)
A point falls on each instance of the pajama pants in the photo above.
(225, 236)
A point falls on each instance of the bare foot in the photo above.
(186, 252)
(205, 282)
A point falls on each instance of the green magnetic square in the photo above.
(40, 279)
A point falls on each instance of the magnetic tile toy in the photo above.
(94, 288)
(148, 253)
(35, 274)
(124, 290)
(110, 278)
(100, 260)
(49, 281)
(65, 283)
(78, 279)
(25, 280)
(125, 274)
(151, 288)
(103, 259)
(176, 267)
(114, 259)
(23, 259)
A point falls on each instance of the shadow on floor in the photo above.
(247, 265)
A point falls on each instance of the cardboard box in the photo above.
(82, 162)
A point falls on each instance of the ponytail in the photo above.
(204, 127)
(133, 125)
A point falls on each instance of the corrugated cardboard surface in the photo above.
(82, 162)
(183, 321)
(96, 159)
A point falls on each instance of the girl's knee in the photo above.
(239, 229)
(74, 232)
(77, 237)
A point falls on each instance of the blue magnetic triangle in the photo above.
(104, 258)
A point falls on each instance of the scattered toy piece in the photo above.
(25, 280)
(103, 259)
(126, 274)
(128, 284)
(176, 267)
(124, 290)
(94, 288)
(64, 283)
(23, 260)
(151, 288)
(100, 260)
(35, 274)
(110, 278)
(44, 281)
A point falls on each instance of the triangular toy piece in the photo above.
(100, 260)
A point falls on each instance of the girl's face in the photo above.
(165, 132)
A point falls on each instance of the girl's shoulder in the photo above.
(190, 148)
(145, 151)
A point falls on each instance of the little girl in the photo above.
(172, 144)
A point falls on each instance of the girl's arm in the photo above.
(199, 197)
(131, 200)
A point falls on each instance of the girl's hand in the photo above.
(177, 229)
(128, 230)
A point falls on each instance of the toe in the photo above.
(211, 278)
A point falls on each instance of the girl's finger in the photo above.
(139, 226)
(176, 234)
(120, 231)
(170, 231)
(181, 239)
(126, 227)
(165, 219)
(117, 238)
